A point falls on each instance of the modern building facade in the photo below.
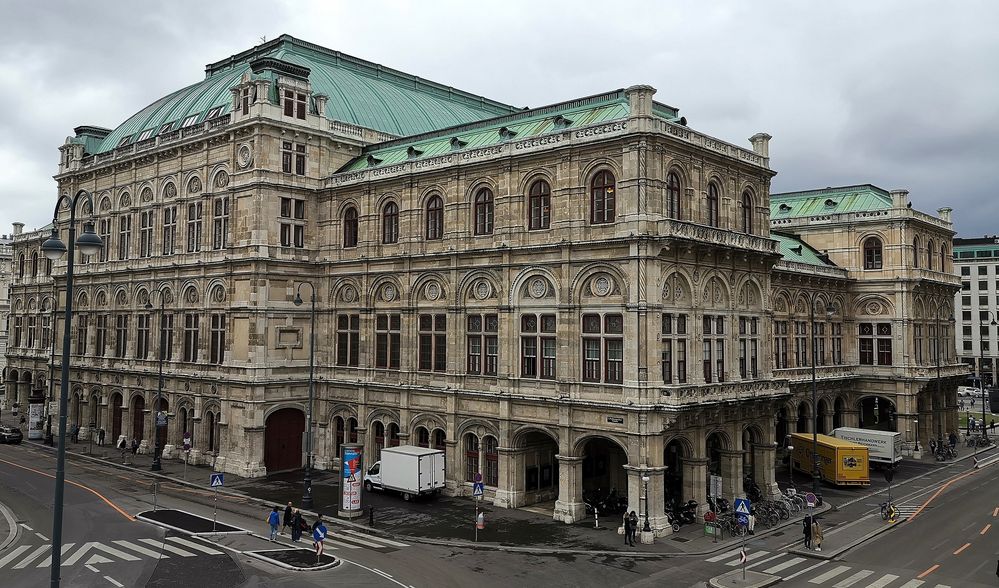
(587, 295)
(977, 262)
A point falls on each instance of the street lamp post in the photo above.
(48, 401)
(157, 464)
(981, 369)
(816, 472)
(307, 484)
(54, 249)
(647, 528)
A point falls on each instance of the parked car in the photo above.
(968, 391)
(10, 435)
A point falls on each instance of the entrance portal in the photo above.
(283, 440)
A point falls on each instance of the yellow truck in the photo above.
(842, 463)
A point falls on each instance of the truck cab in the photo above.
(373, 477)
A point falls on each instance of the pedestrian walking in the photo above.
(298, 526)
(287, 515)
(75, 433)
(953, 439)
(629, 531)
(751, 521)
(992, 425)
(134, 447)
(319, 521)
(100, 437)
(123, 447)
(806, 529)
(318, 536)
(274, 519)
(816, 535)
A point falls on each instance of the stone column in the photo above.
(731, 472)
(765, 457)
(506, 489)
(851, 418)
(656, 490)
(569, 507)
(452, 482)
(695, 482)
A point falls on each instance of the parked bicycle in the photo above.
(888, 511)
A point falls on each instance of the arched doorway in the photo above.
(378, 432)
(161, 432)
(877, 412)
(94, 418)
(804, 419)
(536, 454)
(75, 414)
(604, 476)
(821, 416)
(115, 408)
(339, 430)
(839, 407)
(783, 427)
(422, 437)
(283, 431)
(714, 445)
(138, 418)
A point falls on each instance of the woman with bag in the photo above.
(817, 535)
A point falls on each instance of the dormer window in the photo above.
(457, 143)
(189, 121)
(146, 134)
(294, 104)
(373, 161)
(506, 133)
(214, 113)
(124, 140)
(561, 122)
(167, 127)
(796, 250)
(830, 203)
(784, 208)
(413, 153)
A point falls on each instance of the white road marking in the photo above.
(38, 551)
(168, 547)
(113, 581)
(783, 566)
(13, 555)
(98, 546)
(93, 569)
(353, 539)
(883, 581)
(806, 570)
(912, 584)
(98, 559)
(390, 579)
(725, 555)
(763, 561)
(48, 560)
(829, 575)
(335, 542)
(27, 527)
(382, 573)
(141, 549)
(750, 557)
(195, 546)
(42, 537)
(853, 579)
(382, 539)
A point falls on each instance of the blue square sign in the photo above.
(217, 480)
(742, 506)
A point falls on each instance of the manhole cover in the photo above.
(680, 539)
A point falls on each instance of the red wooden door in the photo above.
(115, 418)
(283, 440)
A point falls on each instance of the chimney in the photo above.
(640, 100)
(944, 213)
(18, 228)
(761, 144)
(899, 198)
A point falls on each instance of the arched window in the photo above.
(471, 457)
(484, 212)
(915, 252)
(673, 195)
(713, 204)
(350, 227)
(943, 257)
(602, 198)
(390, 223)
(747, 212)
(34, 263)
(379, 440)
(20, 266)
(872, 253)
(540, 201)
(490, 450)
(435, 218)
(930, 253)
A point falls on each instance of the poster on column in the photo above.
(350, 472)
(36, 418)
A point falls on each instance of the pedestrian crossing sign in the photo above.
(742, 506)
(478, 489)
(217, 480)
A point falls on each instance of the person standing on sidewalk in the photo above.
(806, 529)
(817, 535)
(751, 521)
(100, 437)
(123, 447)
(629, 531)
(287, 515)
(274, 519)
(298, 525)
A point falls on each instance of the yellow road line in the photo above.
(962, 548)
(937, 493)
(928, 572)
(78, 485)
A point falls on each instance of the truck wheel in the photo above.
(407, 496)
(368, 486)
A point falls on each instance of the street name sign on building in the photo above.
(217, 480)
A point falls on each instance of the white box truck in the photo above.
(409, 470)
(884, 447)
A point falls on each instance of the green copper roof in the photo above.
(794, 249)
(860, 198)
(360, 93)
(514, 127)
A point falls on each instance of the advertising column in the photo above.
(36, 415)
(351, 480)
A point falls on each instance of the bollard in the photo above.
(596, 518)
(371, 516)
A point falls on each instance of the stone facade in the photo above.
(578, 308)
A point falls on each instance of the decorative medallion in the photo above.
(601, 286)
(433, 291)
(388, 293)
(244, 157)
(194, 186)
(170, 190)
(167, 297)
(482, 290)
(538, 288)
(874, 308)
(146, 195)
(221, 179)
(218, 294)
(348, 294)
(191, 295)
(125, 200)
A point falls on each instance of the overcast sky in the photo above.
(901, 94)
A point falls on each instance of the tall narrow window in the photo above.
(836, 334)
(169, 229)
(602, 198)
(387, 341)
(929, 254)
(918, 340)
(104, 230)
(300, 160)
(244, 102)
(713, 204)
(18, 330)
(102, 335)
(673, 195)
(390, 223)
(216, 349)
(433, 342)
(872, 254)
(194, 227)
(124, 235)
(471, 457)
(483, 344)
(292, 223)
(46, 331)
(539, 203)
(747, 212)
(943, 257)
(603, 348)
(713, 356)
(34, 263)
(220, 223)
(286, 156)
(749, 347)
(819, 344)
(289, 103)
(348, 339)
(142, 339)
(81, 334)
(191, 327)
(800, 344)
(484, 212)
(435, 218)
(350, 227)
(32, 326)
(146, 220)
(915, 252)
(780, 344)
(537, 346)
(166, 337)
(490, 451)
(875, 344)
(120, 335)
(674, 337)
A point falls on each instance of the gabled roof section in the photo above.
(360, 92)
(525, 124)
(861, 198)
(794, 249)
